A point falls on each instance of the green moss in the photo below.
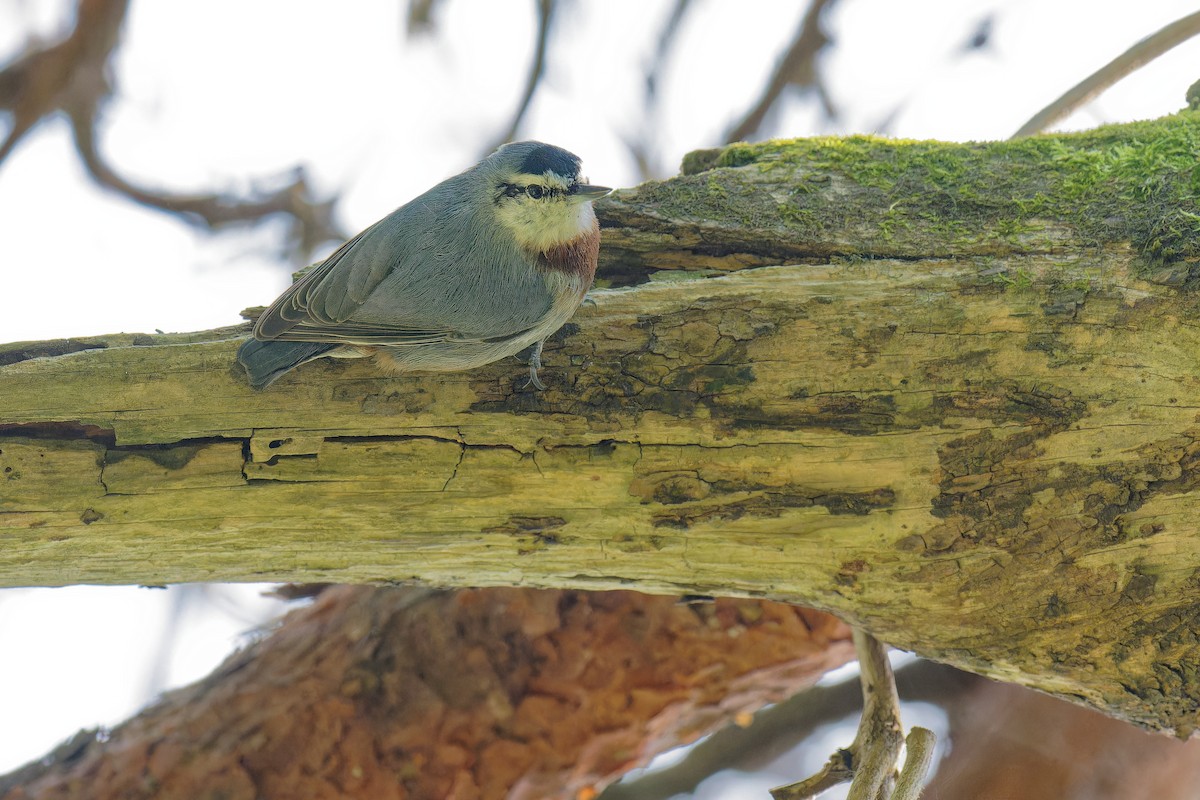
(797, 217)
(1017, 279)
(708, 196)
(1138, 182)
(896, 218)
(716, 189)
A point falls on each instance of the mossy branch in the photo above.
(949, 392)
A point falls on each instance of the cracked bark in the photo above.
(948, 392)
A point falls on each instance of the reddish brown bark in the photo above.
(413, 693)
(1009, 742)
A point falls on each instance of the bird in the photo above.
(482, 266)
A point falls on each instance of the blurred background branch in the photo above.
(73, 77)
(62, 75)
(798, 69)
(1136, 57)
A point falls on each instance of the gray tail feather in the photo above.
(266, 361)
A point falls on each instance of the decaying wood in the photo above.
(948, 392)
(390, 694)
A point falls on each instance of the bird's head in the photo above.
(540, 196)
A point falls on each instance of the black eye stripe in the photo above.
(534, 190)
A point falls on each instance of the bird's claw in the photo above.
(534, 381)
(535, 363)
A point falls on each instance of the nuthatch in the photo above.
(480, 267)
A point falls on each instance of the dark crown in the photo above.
(548, 158)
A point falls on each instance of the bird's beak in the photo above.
(585, 191)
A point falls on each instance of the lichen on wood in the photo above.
(948, 392)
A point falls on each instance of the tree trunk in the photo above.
(948, 392)
(414, 694)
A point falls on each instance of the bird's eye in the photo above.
(535, 191)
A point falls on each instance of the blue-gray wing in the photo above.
(432, 271)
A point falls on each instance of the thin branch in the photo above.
(870, 761)
(784, 726)
(773, 732)
(880, 736)
(312, 220)
(837, 770)
(177, 604)
(545, 12)
(918, 746)
(1131, 60)
(798, 67)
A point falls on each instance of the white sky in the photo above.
(216, 94)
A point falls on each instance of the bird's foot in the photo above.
(535, 363)
(534, 381)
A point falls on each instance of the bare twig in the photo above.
(71, 76)
(798, 67)
(918, 747)
(837, 770)
(780, 728)
(880, 736)
(1131, 60)
(545, 12)
(774, 731)
(870, 761)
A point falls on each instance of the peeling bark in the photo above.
(948, 392)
